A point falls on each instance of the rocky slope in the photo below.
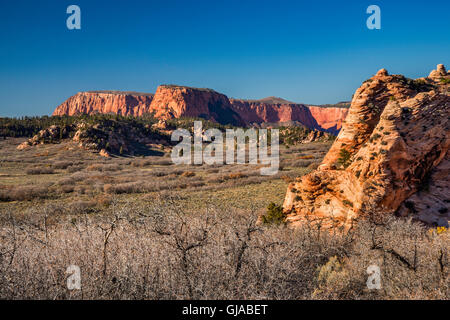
(292, 135)
(391, 156)
(123, 103)
(106, 136)
(172, 101)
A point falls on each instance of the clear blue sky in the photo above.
(305, 51)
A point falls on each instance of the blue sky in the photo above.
(305, 51)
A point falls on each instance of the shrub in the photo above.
(347, 203)
(237, 175)
(274, 215)
(82, 206)
(157, 251)
(188, 174)
(23, 193)
(130, 187)
(67, 188)
(314, 165)
(103, 167)
(306, 157)
(302, 163)
(39, 170)
(66, 182)
(75, 168)
(344, 157)
(62, 164)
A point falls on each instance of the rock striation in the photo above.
(391, 156)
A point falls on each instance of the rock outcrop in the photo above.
(297, 134)
(106, 136)
(49, 135)
(123, 103)
(391, 156)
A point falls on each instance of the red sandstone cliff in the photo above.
(124, 103)
(260, 112)
(172, 101)
(273, 110)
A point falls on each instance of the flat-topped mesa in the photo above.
(118, 102)
(391, 156)
(171, 101)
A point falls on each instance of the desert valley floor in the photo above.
(143, 228)
(78, 182)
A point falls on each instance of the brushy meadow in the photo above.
(143, 228)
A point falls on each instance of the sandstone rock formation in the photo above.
(391, 156)
(49, 135)
(123, 103)
(172, 101)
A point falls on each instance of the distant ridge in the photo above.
(175, 101)
(125, 93)
(271, 100)
(342, 104)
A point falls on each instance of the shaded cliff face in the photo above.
(273, 110)
(177, 101)
(124, 103)
(391, 156)
(260, 112)
(329, 119)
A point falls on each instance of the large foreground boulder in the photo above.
(391, 156)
